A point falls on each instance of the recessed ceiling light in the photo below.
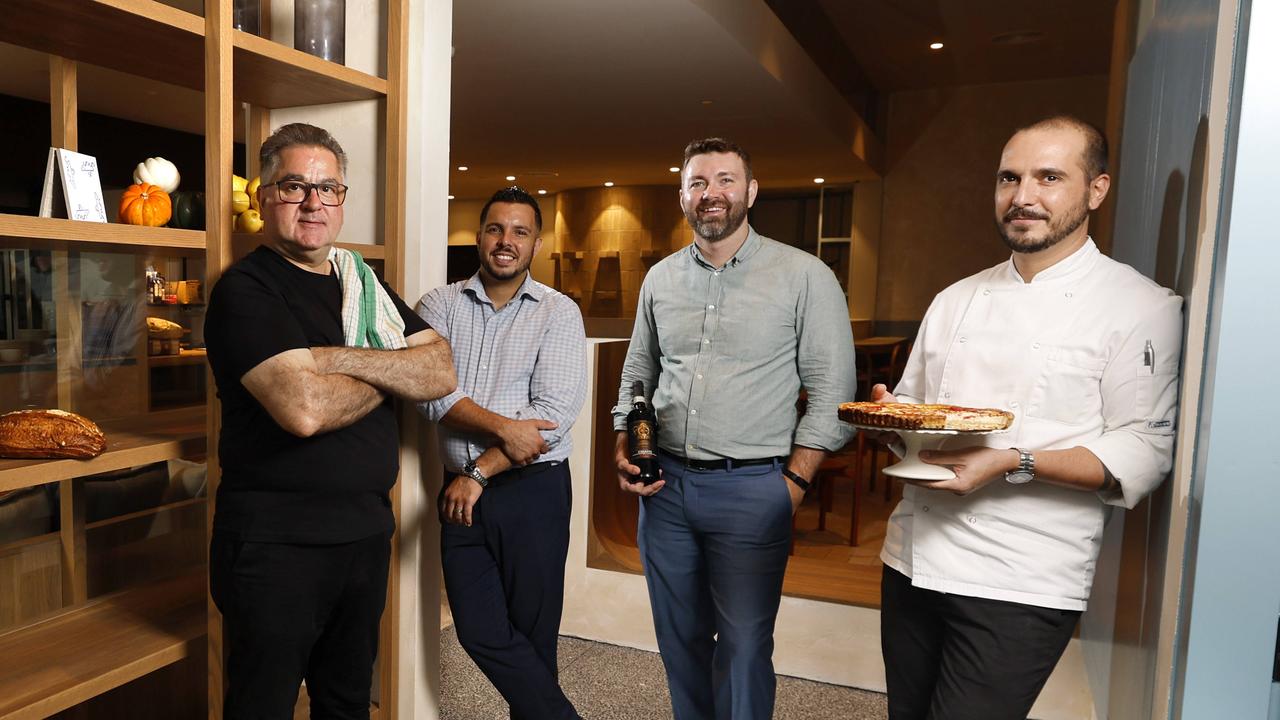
(510, 178)
(819, 181)
(674, 169)
(936, 46)
(463, 168)
(542, 192)
(450, 197)
(608, 183)
(1018, 37)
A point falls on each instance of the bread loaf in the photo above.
(49, 434)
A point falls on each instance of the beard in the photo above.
(1058, 228)
(507, 273)
(713, 229)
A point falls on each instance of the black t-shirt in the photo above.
(277, 487)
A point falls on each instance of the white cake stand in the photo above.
(911, 467)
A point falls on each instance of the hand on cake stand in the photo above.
(972, 467)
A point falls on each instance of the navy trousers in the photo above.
(505, 579)
(714, 545)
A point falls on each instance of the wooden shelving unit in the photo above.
(57, 663)
(97, 644)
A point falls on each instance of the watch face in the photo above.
(1018, 477)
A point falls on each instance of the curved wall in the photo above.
(608, 238)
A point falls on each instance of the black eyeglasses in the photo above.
(295, 192)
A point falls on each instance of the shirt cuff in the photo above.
(436, 409)
(1137, 463)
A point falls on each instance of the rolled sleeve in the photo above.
(558, 386)
(825, 361)
(433, 307)
(641, 362)
(1140, 404)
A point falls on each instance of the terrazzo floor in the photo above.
(609, 682)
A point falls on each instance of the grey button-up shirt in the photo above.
(729, 349)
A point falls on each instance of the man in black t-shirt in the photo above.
(309, 449)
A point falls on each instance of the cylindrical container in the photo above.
(320, 28)
(245, 15)
(642, 435)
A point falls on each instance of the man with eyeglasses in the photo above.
(309, 447)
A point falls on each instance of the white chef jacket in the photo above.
(1086, 354)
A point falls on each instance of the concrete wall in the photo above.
(614, 228)
(1232, 589)
(1167, 194)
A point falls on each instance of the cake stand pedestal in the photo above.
(911, 467)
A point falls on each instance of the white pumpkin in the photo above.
(159, 172)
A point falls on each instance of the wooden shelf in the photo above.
(368, 252)
(139, 37)
(153, 40)
(146, 439)
(59, 233)
(244, 243)
(570, 255)
(185, 357)
(269, 74)
(608, 254)
(78, 654)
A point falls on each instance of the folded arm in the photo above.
(305, 402)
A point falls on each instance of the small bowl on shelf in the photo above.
(12, 354)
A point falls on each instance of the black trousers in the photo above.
(505, 580)
(951, 657)
(294, 612)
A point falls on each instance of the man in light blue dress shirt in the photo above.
(728, 330)
(520, 352)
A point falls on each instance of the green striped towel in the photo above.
(369, 317)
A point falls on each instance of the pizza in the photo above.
(907, 416)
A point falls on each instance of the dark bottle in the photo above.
(642, 435)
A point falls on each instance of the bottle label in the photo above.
(642, 440)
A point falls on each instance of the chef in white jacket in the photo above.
(986, 575)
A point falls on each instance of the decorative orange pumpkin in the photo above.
(145, 204)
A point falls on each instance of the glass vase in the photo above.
(320, 28)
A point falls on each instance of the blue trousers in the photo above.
(714, 545)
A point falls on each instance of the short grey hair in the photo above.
(296, 135)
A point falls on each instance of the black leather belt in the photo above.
(722, 463)
(507, 477)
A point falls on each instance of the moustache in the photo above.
(1020, 214)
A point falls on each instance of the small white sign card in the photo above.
(81, 196)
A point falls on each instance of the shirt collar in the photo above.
(1080, 260)
(750, 247)
(529, 288)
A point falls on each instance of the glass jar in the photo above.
(320, 28)
(245, 15)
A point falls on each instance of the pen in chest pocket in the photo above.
(1149, 357)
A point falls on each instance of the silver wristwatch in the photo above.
(470, 470)
(1026, 471)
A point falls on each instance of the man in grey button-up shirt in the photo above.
(727, 332)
